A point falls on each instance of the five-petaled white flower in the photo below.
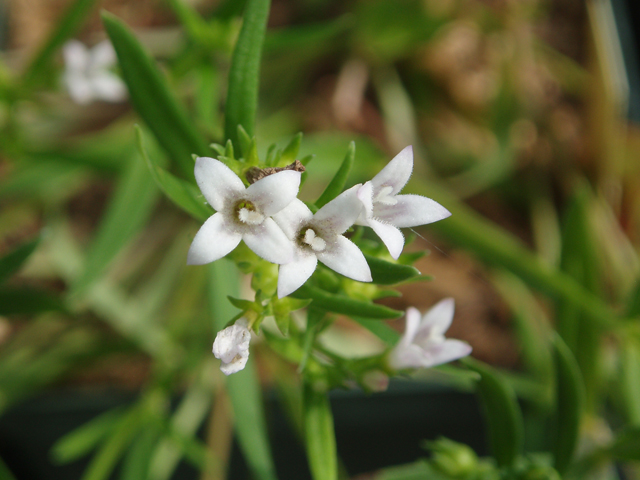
(319, 237)
(232, 347)
(423, 343)
(87, 75)
(385, 211)
(242, 213)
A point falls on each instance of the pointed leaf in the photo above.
(388, 273)
(152, 98)
(502, 412)
(319, 434)
(342, 304)
(12, 261)
(339, 180)
(569, 405)
(290, 152)
(244, 74)
(27, 300)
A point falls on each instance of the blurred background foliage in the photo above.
(517, 112)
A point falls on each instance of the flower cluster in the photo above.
(281, 229)
(87, 73)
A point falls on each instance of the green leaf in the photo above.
(184, 194)
(626, 445)
(290, 152)
(152, 98)
(569, 405)
(12, 261)
(630, 380)
(5, 473)
(339, 180)
(244, 74)
(27, 300)
(82, 440)
(243, 387)
(388, 273)
(502, 412)
(380, 329)
(342, 304)
(319, 434)
(65, 28)
(128, 210)
(136, 461)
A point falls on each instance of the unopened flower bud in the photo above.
(232, 347)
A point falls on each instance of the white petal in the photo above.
(436, 321)
(80, 90)
(406, 356)
(410, 211)
(76, 56)
(412, 319)
(217, 182)
(231, 341)
(109, 87)
(292, 217)
(365, 195)
(274, 192)
(103, 56)
(213, 241)
(268, 241)
(237, 364)
(445, 352)
(340, 213)
(345, 257)
(292, 276)
(390, 236)
(397, 172)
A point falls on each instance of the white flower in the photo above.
(242, 213)
(319, 237)
(232, 347)
(87, 75)
(423, 344)
(385, 211)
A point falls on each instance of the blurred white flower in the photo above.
(87, 75)
(232, 347)
(319, 237)
(423, 344)
(243, 213)
(385, 211)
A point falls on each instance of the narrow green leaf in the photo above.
(630, 380)
(244, 74)
(5, 473)
(626, 445)
(290, 152)
(388, 273)
(502, 412)
(12, 261)
(569, 405)
(82, 440)
(380, 329)
(152, 98)
(184, 194)
(135, 465)
(128, 210)
(28, 300)
(342, 304)
(319, 434)
(65, 28)
(243, 387)
(339, 180)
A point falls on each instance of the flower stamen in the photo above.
(316, 243)
(384, 196)
(247, 213)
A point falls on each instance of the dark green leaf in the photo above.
(152, 98)
(25, 301)
(184, 194)
(319, 434)
(12, 261)
(342, 304)
(569, 405)
(244, 74)
(339, 180)
(504, 418)
(65, 28)
(388, 273)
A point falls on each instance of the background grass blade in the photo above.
(244, 75)
(12, 261)
(152, 98)
(319, 434)
(338, 182)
